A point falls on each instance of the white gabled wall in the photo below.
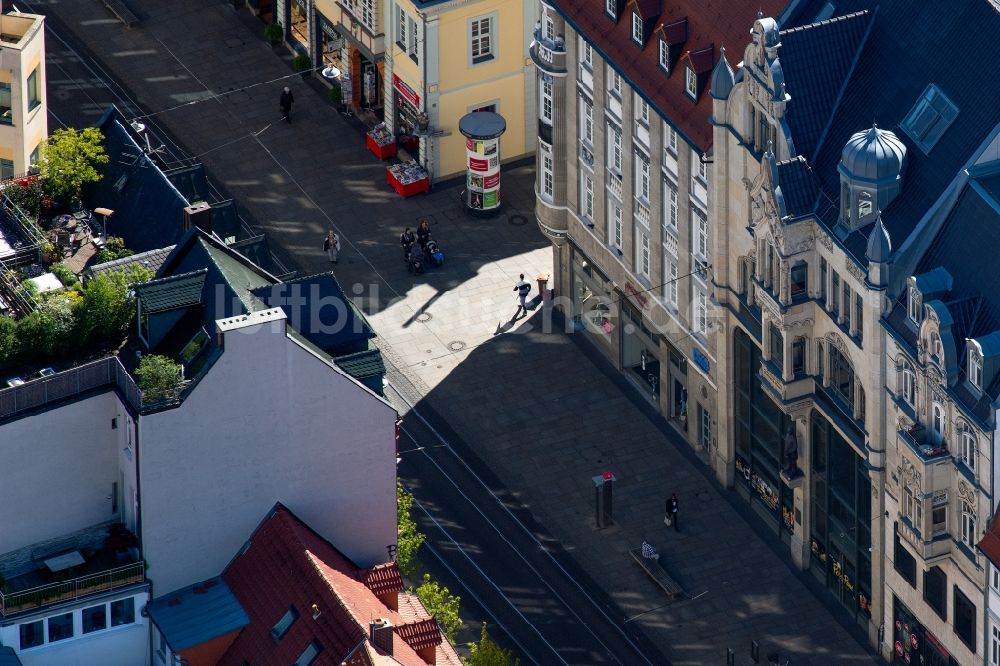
(269, 422)
(57, 471)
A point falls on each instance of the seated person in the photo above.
(648, 551)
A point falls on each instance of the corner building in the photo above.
(856, 193)
(624, 188)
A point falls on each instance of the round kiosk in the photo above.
(482, 130)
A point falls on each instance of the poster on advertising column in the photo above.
(482, 130)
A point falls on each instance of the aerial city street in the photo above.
(483, 332)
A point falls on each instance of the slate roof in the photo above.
(817, 60)
(173, 292)
(286, 564)
(910, 46)
(149, 210)
(799, 186)
(708, 23)
(362, 365)
(198, 613)
(151, 259)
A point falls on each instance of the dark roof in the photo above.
(816, 60)
(286, 564)
(152, 260)
(191, 181)
(173, 292)
(198, 613)
(707, 23)
(648, 9)
(8, 657)
(799, 186)
(990, 543)
(362, 365)
(149, 210)
(892, 74)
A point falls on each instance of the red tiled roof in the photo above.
(674, 33)
(648, 9)
(990, 544)
(288, 565)
(420, 635)
(382, 578)
(725, 22)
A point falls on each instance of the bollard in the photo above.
(730, 657)
(755, 651)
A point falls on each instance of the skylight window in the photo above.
(932, 114)
(279, 630)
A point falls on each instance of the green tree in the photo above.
(108, 305)
(409, 540)
(488, 653)
(8, 338)
(68, 161)
(60, 308)
(114, 248)
(442, 604)
(37, 335)
(158, 377)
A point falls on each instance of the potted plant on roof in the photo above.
(303, 65)
(274, 33)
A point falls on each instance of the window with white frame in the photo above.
(611, 7)
(586, 196)
(636, 29)
(672, 139)
(614, 223)
(691, 83)
(588, 56)
(968, 525)
(975, 368)
(669, 207)
(401, 27)
(546, 101)
(912, 508)
(969, 448)
(937, 422)
(995, 578)
(641, 110)
(908, 381)
(670, 288)
(614, 82)
(547, 175)
(481, 39)
(586, 121)
(994, 644)
(701, 167)
(642, 252)
(614, 148)
(550, 28)
(701, 314)
(664, 56)
(368, 13)
(700, 224)
(641, 178)
(706, 428)
(913, 304)
(412, 42)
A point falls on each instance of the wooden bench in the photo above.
(124, 14)
(658, 574)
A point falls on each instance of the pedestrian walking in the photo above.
(522, 288)
(406, 240)
(331, 245)
(423, 233)
(671, 509)
(285, 103)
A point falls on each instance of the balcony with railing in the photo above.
(548, 54)
(92, 561)
(923, 443)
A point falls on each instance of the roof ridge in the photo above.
(171, 278)
(819, 24)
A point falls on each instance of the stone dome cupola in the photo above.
(871, 174)
(723, 78)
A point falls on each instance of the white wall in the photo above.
(56, 471)
(125, 645)
(268, 422)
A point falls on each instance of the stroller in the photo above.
(436, 256)
(415, 260)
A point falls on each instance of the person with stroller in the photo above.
(416, 262)
(406, 240)
(423, 233)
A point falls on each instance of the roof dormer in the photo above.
(982, 360)
(937, 342)
(697, 65)
(643, 15)
(613, 9)
(671, 38)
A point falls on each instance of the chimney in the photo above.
(198, 215)
(381, 634)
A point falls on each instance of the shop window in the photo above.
(799, 280)
(777, 347)
(32, 634)
(965, 619)
(34, 98)
(904, 563)
(936, 591)
(6, 108)
(481, 39)
(799, 356)
(60, 627)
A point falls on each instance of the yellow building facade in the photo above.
(444, 59)
(23, 115)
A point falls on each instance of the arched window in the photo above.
(969, 448)
(841, 376)
(969, 536)
(907, 383)
(936, 349)
(937, 423)
(864, 205)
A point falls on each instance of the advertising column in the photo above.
(482, 131)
